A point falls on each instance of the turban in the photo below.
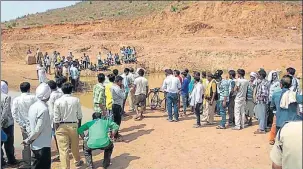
(43, 91)
(253, 74)
(4, 87)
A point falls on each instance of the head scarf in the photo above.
(43, 91)
(253, 74)
(4, 87)
(269, 77)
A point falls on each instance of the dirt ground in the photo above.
(203, 36)
(155, 143)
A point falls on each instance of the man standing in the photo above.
(99, 95)
(108, 95)
(274, 85)
(172, 85)
(262, 98)
(294, 84)
(118, 95)
(131, 94)
(141, 89)
(184, 91)
(197, 99)
(51, 102)
(67, 118)
(223, 90)
(48, 64)
(287, 151)
(250, 104)
(210, 98)
(40, 126)
(20, 110)
(240, 100)
(7, 124)
(286, 109)
(232, 96)
(126, 85)
(75, 74)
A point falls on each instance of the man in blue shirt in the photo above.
(184, 91)
(283, 115)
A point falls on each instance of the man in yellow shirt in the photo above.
(210, 98)
(108, 95)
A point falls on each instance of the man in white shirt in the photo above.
(20, 108)
(131, 94)
(126, 84)
(172, 86)
(240, 100)
(67, 119)
(40, 135)
(53, 97)
(197, 99)
(74, 74)
(141, 89)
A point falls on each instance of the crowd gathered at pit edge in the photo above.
(53, 111)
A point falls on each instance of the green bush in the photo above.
(173, 8)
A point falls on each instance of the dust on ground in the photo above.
(202, 36)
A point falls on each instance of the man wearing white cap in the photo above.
(250, 104)
(40, 126)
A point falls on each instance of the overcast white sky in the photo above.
(13, 9)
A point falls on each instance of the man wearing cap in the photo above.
(40, 127)
(250, 103)
(67, 119)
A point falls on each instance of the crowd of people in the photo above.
(63, 65)
(53, 111)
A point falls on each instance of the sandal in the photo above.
(259, 132)
(272, 142)
(220, 127)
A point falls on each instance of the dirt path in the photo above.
(154, 143)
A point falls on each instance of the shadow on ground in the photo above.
(120, 162)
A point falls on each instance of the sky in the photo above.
(13, 9)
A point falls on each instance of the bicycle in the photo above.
(155, 101)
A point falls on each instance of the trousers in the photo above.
(67, 135)
(172, 102)
(240, 113)
(117, 110)
(42, 158)
(26, 152)
(107, 154)
(209, 112)
(231, 110)
(197, 112)
(8, 145)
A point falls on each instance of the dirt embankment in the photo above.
(203, 35)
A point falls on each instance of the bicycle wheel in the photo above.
(154, 101)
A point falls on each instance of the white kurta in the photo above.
(41, 74)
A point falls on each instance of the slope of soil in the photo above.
(199, 36)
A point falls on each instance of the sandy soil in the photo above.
(155, 143)
(204, 36)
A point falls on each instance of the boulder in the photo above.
(30, 59)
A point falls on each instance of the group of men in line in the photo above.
(53, 111)
(244, 99)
